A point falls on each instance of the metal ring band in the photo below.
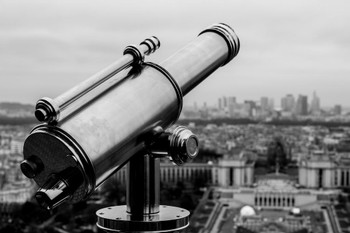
(49, 107)
(136, 53)
(227, 33)
(173, 82)
(150, 44)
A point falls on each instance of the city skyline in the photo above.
(292, 47)
(277, 103)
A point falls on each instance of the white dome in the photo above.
(247, 211)
(295, 211)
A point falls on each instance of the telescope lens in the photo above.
(54, 192)
(43, 200)
(59, 188)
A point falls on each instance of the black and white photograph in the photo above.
(195, 116)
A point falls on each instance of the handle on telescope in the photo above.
(52, 110)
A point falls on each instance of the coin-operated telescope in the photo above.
(120, 116)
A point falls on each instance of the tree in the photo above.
(276, 154)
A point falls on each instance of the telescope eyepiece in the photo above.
(59, 188)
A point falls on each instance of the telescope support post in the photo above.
(142, 194)
(143, 212)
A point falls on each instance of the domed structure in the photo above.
(247, 211)
(295, 211)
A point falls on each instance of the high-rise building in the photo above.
(231, 100)
(224, 102)
(250, 107)
(315, 104)
(288, 103)
(264, 103)
(337, 109)
(271, 104)
(302, 105)
(204, 111)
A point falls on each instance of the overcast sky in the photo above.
(294, 47)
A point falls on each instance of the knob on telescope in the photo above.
(181, 145)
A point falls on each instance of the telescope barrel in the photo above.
(106, 131)
(50, 110)
(214, 47)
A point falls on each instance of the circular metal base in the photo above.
(116, 219)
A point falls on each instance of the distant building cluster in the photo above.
(319, 155)
(14, 186)
(290, 107)
(313, 179)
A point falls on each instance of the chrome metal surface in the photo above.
(214, 47)
(57, 152)
(142, 193)
(181, 145)
(53, 110)
(169, 219)
(59, 188)
(184, 145)
(109, 131)
(173, 82)
(109, 124)
(227, 33)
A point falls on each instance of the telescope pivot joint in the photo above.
(180, 145)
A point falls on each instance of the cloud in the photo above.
(287, 46)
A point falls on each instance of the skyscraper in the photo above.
(288, 103)
(264, 103)
(224, 102)
(271, 104)
(337, 109)
(231, 100)
(220, 104)
(302, 105)
(315, 104)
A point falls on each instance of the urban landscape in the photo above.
(260, 168)
(175, 116)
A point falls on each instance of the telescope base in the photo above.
(116, 219)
